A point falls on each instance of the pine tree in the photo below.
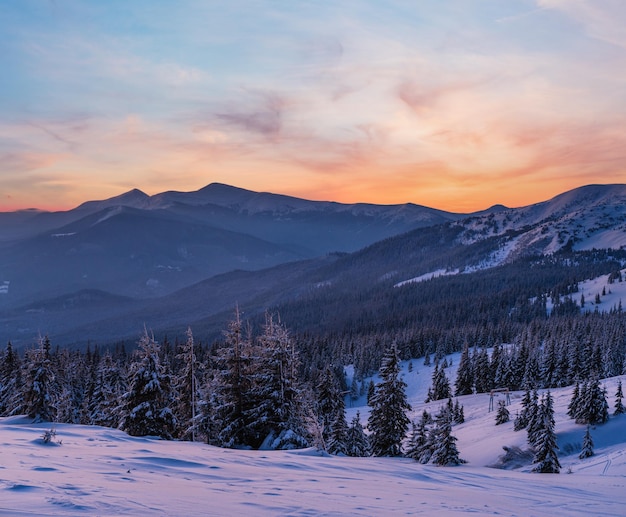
(593, 407)
(619, 395)
(338, 438)
(441, 385)
(587, 450)
(329, 401)
(388, 422)
(545, 444)
(534, 419)
(464, 376)
(230, 390)
(10, 382)
(445, 452)
(521, 421)
(146, 409)
(187, 386)
(357, 444)
(104, 403)
(502, 416)
(275, 416)
(458, 413)
(572, 408)
(41, 397)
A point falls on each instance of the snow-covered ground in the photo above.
(99, 471)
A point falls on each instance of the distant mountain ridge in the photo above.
(176, 258)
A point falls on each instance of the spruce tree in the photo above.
(41, 397)
(619, 395)
(464, 375)
(534, 419)
(230, 389)
(329, 401)
(275, 413)
(458, 413)
(521, 421)
(587, 450)
(146, 409)
(104, 404)
(10, 382)
(338, 439)
(357, 444)
(388, 422)
(187, 386)
(545, 444)
(445, 452)
(502, 416)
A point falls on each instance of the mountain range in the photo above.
(101, 271)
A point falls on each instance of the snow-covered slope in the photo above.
(99, 471)
(589, 217)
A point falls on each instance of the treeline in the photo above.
(353, 323)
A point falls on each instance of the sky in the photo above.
(456, 105)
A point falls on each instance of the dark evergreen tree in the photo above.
(104, 404)
(275, 416)
(445, 452)
(521, 421)
(187, 386)
(227, 411)
(534, 420)
(573, 406)
(546, 447)
(441, 385)
(371, 389)
(388, 422)
(338, 439)
(464, 375)
(458, 415)
(10, 382)
(145, 406)
(357, 444)
(329, 401)
(619, 395)
(41, 397)
(483, 378)
(587, 450)
(502, 416)
(593, 407)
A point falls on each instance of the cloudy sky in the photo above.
(456, 104)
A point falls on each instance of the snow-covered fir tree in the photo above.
(464, 377)
(187, 386)
(458, 414)
(521, 421)
(275, 416)
(40, 396)
(329, 401)
(440, 385)
(502, 415)
(337, 442)
(619, 395)
(591, 406)
(104, 403)
(534, 419)
(145, 406)
(388, 423)
(230, 389)
(10, 382)
(357, 443)
(545, 445)
(445, 451)
(587, 450)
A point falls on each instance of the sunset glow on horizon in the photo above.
(455, 105)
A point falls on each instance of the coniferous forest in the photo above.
(261, 384)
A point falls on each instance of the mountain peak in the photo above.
(134, 198)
